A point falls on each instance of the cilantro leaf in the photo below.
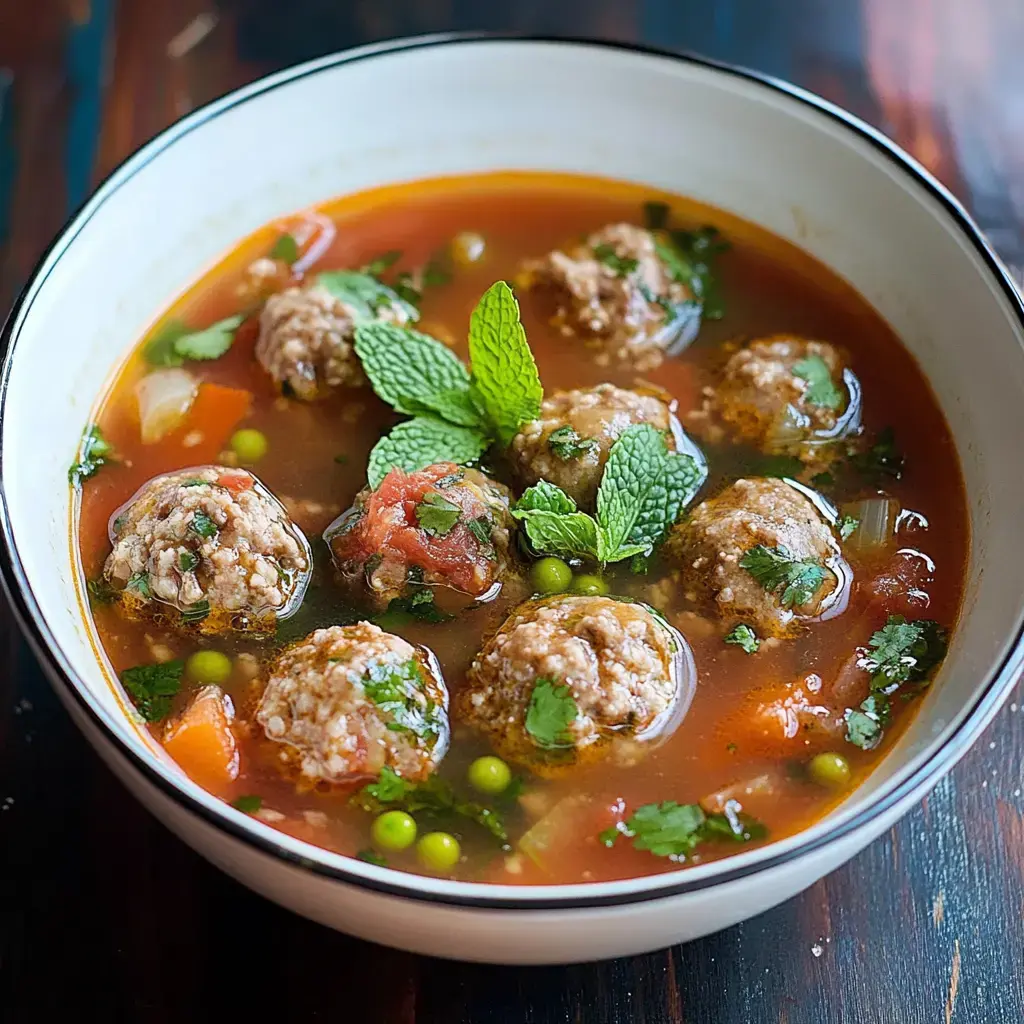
(139, 583)
(670, 829)
(211, 342)
(506, 385)
(621, 265)
(364, 294)
(777, 570)
(399, 689)
(390, 787)
(567, 534)
(903, 651)
(743, 636)
(420, 605)
(379, 264)
(566, 444)
(847, 525)
(862, 729)
(482, 529)
(552, 709)
(187, 561)
(689, 258)
(437, 515)
(371, 856)
(545, 497)
(415, 374)
(285, 249)
(821, 389)
(202, 525)
(94, 451)
(153, 687)
(247, 804)
(421, 442)
(100, 591)
(159, 350)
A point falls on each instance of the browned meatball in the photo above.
(784, 395)
(734, 550)
(569, 443)
(614, 292)
(349, 700)
(618, 675)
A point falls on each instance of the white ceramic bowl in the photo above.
(425, 107)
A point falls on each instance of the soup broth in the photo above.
(782, 723)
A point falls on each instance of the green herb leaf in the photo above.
(620, 265)
(419, 605)
(152, 688)
(882, 459)
(689, 258)
(777, 570)
(670, 829)
(545, 497)
(399, 689)
(656, 215)
(100, 591)
(821, 389)
(549, 714)
(506, 384)
(139, 583)
(94, 451)
(421, 442)
(195, 612)
(202, 525)
(903, 651)
(210, 343)
(823, 479)
(566, 444)
(285, 249)
(862, 730)
(248, 804)
(482, 529)
(371, 856)
(743, 636)
(390, 787)
(364, 294)
(846, 525)
(160, 350)
(377, 266)
(437, 515)
(187, 561)
(569, 535)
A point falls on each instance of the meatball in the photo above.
(615, 292)
(569, 444)
(306, 339)
(783, 395)
(212, 545)
(611, 673)
(443, 526)
(786, 529)
(347, 701)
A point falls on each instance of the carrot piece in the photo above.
(202, 741)
(215, 413)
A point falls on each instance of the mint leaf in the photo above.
(549, 714)
(743, 636)
(506, 384)
(777, 570)
(421, 442)
(153, 687)
(821, 389)
(210, 343)
(545, 497)
(437, 515)
(94, 450)
(285, 249)
(415, 373)
(364, 294)
(569, 535)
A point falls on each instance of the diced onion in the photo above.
(164, 397)
(545, 840)
(876, 531)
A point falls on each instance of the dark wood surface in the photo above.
(104, 913)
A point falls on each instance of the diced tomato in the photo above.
(202, 740)
(236, 483)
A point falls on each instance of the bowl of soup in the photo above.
(556, 517)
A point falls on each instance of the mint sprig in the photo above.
(415, 444)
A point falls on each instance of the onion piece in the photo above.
(165, 398)
(876, 532)
(546, 840)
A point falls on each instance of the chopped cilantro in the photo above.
(210, 343)
(566, 444)
(437, 515)
(743, 636)
(100, 591)
(777, 570)
(821, 389)
(187, 561)
(247, 804)
(482, 529)
(371, 856)
(139, 583)
(419, 605)
(195, 612)
(621, 265)
(195, 481)
(674, 830)
(153, 687)
(549, 714)
(285, 249)
(202, 525)
(863, 730)
(94, 451)
(689, 257)
(846, 525)
(399, 690)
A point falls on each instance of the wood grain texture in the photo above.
(101, 908)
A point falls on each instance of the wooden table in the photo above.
(104, 914)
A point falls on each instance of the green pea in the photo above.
(249, 445)
(438, 851)
(209, 667)
(394, 830)
(592, 586)
(489, 774)
(830, 770)
(550, 576)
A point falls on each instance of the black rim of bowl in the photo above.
(19, 589)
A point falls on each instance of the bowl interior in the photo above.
(724, 139)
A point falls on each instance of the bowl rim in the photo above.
(985, 704)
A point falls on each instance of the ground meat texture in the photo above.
(629, 673)
(347, 701)
(596, 416)
(211, 546)
(306, 340)
(709, 545)
(612, 291)
(759, 399)
(442, 527)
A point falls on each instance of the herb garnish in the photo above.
(399, 690)
(371, 856)
(202, 525)
(481, 528)
(900, 652)
(247, 804)
(195, 612)
(94, 451)
(620, 265)
(175, 343)
(821, 389)
(377, 266)
(364, 294)
(776, 569)
(566, 444)
(419, 604)
(139, 583)
(552, 709)
(437, 515)
(883, 458)
(153, 687)
(847, 525)
(100, 591)
(674, 830)
(688, 257)
(743, 636)
(187, 561)
(656, 215)
(285, 249)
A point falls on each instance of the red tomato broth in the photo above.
(769, 286)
